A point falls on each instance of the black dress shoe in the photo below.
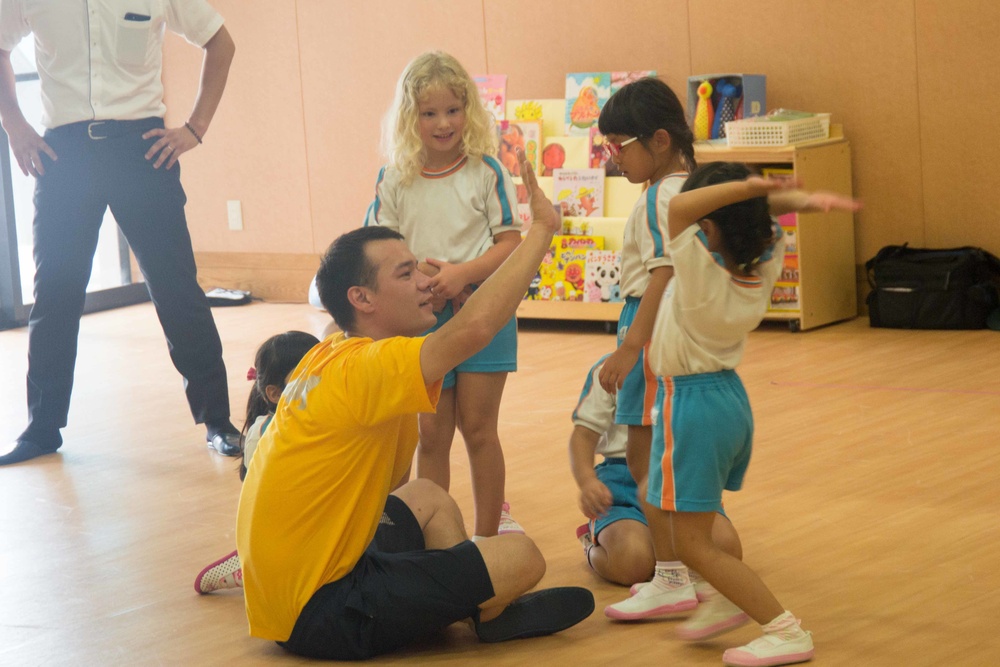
(25, 451)
(538, 614)
(226, 443)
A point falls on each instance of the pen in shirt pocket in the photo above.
(136, 17)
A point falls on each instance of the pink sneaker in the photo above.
(507, 524)
(702, 589)
(713, 617)
(650, 601)
(784, 643)
(223, 573)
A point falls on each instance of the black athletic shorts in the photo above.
(397, 593)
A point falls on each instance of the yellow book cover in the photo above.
(562, 272)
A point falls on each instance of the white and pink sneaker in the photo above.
(227, 572)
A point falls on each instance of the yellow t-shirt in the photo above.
(343, 435)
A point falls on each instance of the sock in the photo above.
(670, 575)
(785, 626)
(476, 538)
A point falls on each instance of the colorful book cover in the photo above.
(493, 92)
(603, 271)
(523, 205)
(564, 153)
(527, 110)
(599, 156)
(619, 79)
(573, 226)
(523, 134)
(579, 192)
(561, 274)
(586, 94)
(785, 298)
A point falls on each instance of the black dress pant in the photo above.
(101, 165)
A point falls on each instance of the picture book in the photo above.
(579, 192)
(564, 153)
(789, 224)
(603, 271)
(599, 156)
(549, 111)
(523, 134)
(619, 79)
(560, 276)
(527, 110)
(493, 92)
(586, 93)
(523, 205)
(785, 298)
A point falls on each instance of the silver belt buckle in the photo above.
(90, 130)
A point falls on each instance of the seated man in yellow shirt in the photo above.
(324, 574)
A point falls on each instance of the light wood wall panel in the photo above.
(352, 55)
(296, 138)
(958, 60)
(583, 36)
(255, 149)
(854, 58)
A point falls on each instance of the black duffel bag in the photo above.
(917, 288)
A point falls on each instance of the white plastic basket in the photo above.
(764, 132)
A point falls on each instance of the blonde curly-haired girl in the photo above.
(445, 191)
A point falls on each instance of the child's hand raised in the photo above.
(542, 210)
(763, 185)
(830, 201)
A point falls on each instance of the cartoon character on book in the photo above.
(587, 201)
(553, 157)
(585, 109)
(603, 273)
(511, 138)
(574, 276)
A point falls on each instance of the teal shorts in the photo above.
(500, 356)
(702, 441)
(614, 474)
(638, 393)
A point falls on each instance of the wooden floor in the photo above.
(872, 506)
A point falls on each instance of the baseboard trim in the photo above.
(275, 277)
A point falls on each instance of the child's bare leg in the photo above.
(692, 537)
(478, 399)
(725, 536)
(436, 434)
(637, 456)
(624, 553)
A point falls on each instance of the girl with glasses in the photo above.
(649, 140)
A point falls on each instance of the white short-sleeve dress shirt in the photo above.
(101, 59)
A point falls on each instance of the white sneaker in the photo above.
(702, 589)
(782, 647)
(713, 617)
(223, 573)
(507, 524)
(652, 601)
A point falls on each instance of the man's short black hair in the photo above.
(345, 265)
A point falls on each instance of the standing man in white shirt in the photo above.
(105, 144)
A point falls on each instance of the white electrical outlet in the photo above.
(234, 209)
